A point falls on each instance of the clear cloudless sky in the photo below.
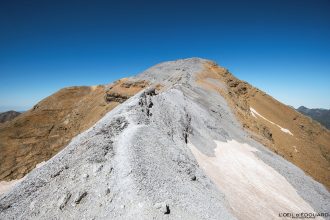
(279, 46)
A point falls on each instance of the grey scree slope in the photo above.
(135, 164)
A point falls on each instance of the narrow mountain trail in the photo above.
(175, 152)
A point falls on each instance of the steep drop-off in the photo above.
(282, 129)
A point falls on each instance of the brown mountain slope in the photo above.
(41, 132)
(285, 131)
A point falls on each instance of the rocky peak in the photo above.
(179, 71)
(206, 146)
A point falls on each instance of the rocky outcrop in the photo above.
(7, 116)
(115, 97)
(123, 90)
(178, 153)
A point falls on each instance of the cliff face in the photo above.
(7, 116)
(43, 131)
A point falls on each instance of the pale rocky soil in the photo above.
(153, 157)
(41, 132)
(249, 183)
(6, 186)
(309, 145)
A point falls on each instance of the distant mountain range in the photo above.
(9, 115)
(318, 114)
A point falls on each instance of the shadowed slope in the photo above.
(320, 115)
(7, 116)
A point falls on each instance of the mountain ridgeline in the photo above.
(9, 115)
(184, 139)
(318, 114)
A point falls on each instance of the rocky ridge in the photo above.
(148, 157)
(40, 133)
(317, 114)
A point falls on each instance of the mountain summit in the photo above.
(184, 139)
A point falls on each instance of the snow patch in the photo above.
(255, 114)
(254, 189)
(6, 186)
(40, 164)
(286, 130)
(252, 112)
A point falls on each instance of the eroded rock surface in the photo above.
(137, 162)
(41, 132)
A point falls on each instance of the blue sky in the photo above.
(279, 46)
